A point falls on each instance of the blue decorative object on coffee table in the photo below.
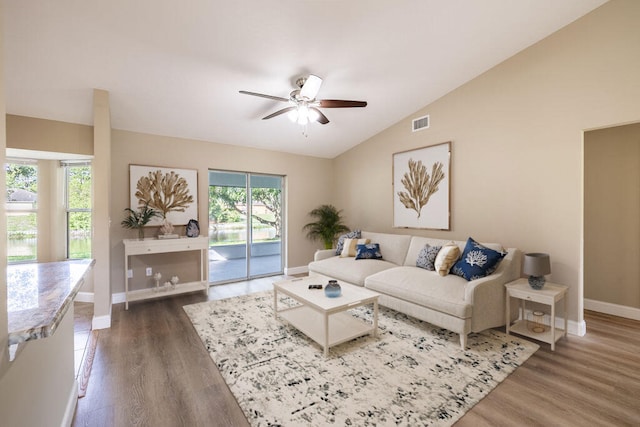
(332, 289)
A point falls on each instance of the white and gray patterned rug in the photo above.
(413, 374)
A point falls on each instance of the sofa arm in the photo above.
(509, 271)
(323, 254)
(488, 293)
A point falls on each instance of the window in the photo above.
(78, 207)
(22, 210)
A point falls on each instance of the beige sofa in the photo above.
(449, 302)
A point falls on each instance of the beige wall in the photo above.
(101, 218)
(51, 212)
(308, 184)
(612, 215)
(28, 133)
(516, 135)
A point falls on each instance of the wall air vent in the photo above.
(420, 123)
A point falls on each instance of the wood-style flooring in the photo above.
(151, 369)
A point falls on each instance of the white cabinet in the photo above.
(134, 247)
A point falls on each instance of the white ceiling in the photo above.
(175, 68)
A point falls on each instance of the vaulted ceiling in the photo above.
(175, 68)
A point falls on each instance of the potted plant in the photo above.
(137, 219)
(327, 227)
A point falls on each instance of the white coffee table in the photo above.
(324, 319)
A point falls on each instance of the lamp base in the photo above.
(537, 282)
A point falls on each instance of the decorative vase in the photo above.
(332, 289)
(140, 233)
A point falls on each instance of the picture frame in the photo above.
(153, 184)
(419, 199)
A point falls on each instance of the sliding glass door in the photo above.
(245, 226)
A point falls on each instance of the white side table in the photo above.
(550, 294)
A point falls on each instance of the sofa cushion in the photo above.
(445, 259)
(392, 246)
(477, 261)
(427, 257)
(368, 251)
(351, 245)
(355, 234)
(423, 287)
(349, 269)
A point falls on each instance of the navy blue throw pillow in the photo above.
(477, 261)
(368, 251)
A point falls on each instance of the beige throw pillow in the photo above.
(351, 245)
(445, 259)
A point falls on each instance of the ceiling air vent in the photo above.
(420, 123)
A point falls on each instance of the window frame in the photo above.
(67, 165)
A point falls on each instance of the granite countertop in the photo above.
(40, 294)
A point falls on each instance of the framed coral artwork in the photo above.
(421, 187)
(171, 191)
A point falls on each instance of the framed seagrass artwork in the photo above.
(421, 187)
(172, 192)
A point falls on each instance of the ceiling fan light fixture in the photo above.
(303, 105)
(303, 114)
(313, 115)
(311, 87)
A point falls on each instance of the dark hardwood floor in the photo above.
(151, 369)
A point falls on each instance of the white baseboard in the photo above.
(84, 297)
(577, 328)
(118, 298)
(102, 322)
(71, 406)
(296, 270)
(89, 297)
(613, 309)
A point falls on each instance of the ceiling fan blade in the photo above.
(311, 87)
(277, 113)
(338, 103)
(262, 95)
(322, 119)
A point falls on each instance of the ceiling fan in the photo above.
(304, 107)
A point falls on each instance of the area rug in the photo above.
(413, 374)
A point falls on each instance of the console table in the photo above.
(135, 247)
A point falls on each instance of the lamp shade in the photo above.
(536, 264)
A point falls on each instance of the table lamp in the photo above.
(536, 265)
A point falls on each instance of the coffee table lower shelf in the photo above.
(342, 326)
